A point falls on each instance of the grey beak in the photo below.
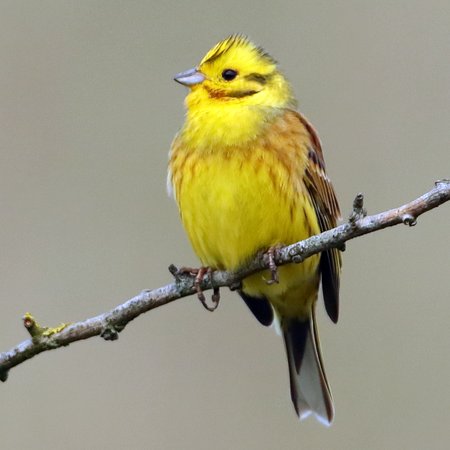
(189, 77)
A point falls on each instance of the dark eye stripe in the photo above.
(261, 79)
(240, 94)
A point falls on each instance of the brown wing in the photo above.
(327, 209)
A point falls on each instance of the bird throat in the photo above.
(226, 124)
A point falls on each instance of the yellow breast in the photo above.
(237, 200)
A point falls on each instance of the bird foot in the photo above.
(198, 287)
(272, 255)
(199, 276)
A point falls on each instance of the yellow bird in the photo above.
(248, 175)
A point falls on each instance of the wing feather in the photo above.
(325, 203)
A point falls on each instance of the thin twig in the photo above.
(109, 324)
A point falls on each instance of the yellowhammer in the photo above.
(248, 174)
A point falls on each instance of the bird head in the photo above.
(236, 71)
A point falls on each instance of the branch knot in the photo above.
(358, 210)
(409, 219)
(111, 332)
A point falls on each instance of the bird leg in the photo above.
(198, 287)
(271, 254)
(199, 276)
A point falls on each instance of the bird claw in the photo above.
(271, 254)
(198, 287)
(199, 276)
(189, 271)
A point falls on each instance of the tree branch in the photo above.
(109, 324)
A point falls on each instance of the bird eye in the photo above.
(229, 74)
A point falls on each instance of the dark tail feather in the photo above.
(260, 307)
(310, 391)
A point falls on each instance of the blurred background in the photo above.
(88, 110)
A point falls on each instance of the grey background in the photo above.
(88, 110)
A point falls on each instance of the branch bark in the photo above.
(109, 324)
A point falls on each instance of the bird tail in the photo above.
(310, 391)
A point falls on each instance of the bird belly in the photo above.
(234, 207)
